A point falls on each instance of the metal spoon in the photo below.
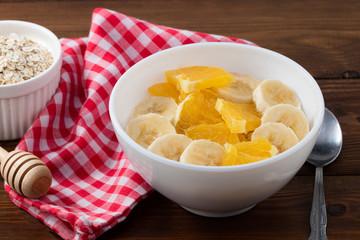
(326, 149)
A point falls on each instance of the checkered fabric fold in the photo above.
(94, 185)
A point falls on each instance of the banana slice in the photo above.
(278, 134)
(170, 145)
(144, 129)
(272, 92)
(289, 115)
(240, 90)
(203, 152)
(160, 105)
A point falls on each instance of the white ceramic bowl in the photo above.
(21, 103)
(211, 190)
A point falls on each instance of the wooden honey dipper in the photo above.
(25, 173)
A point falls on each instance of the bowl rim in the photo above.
(57, 58)
(312, 133)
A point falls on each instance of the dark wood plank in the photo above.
(322, 36)
(342, 98)
(9, 145)
(285, 215)
(19, 224)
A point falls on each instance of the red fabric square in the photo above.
(94, 185)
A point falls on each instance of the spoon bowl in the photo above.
(327, 148)
(328, 145)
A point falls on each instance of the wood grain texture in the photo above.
(285, 215)
(323, 36)
(327, 32)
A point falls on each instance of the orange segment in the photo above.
(182, 96)
(259, 147)
(197, 108)
(164, 89)
(233, 157)
(172, 75)
(248, 135)
(241, 118)
(190, 79)
(219, 133)
(248, 152)
(243, 137)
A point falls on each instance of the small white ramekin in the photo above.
(21, 103)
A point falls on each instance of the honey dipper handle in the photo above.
(3, 154)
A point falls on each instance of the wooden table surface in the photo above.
(322, 36)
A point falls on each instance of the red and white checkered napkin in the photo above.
(94, 185)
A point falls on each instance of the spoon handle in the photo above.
(318, 218)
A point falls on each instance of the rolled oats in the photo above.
(21, 59)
